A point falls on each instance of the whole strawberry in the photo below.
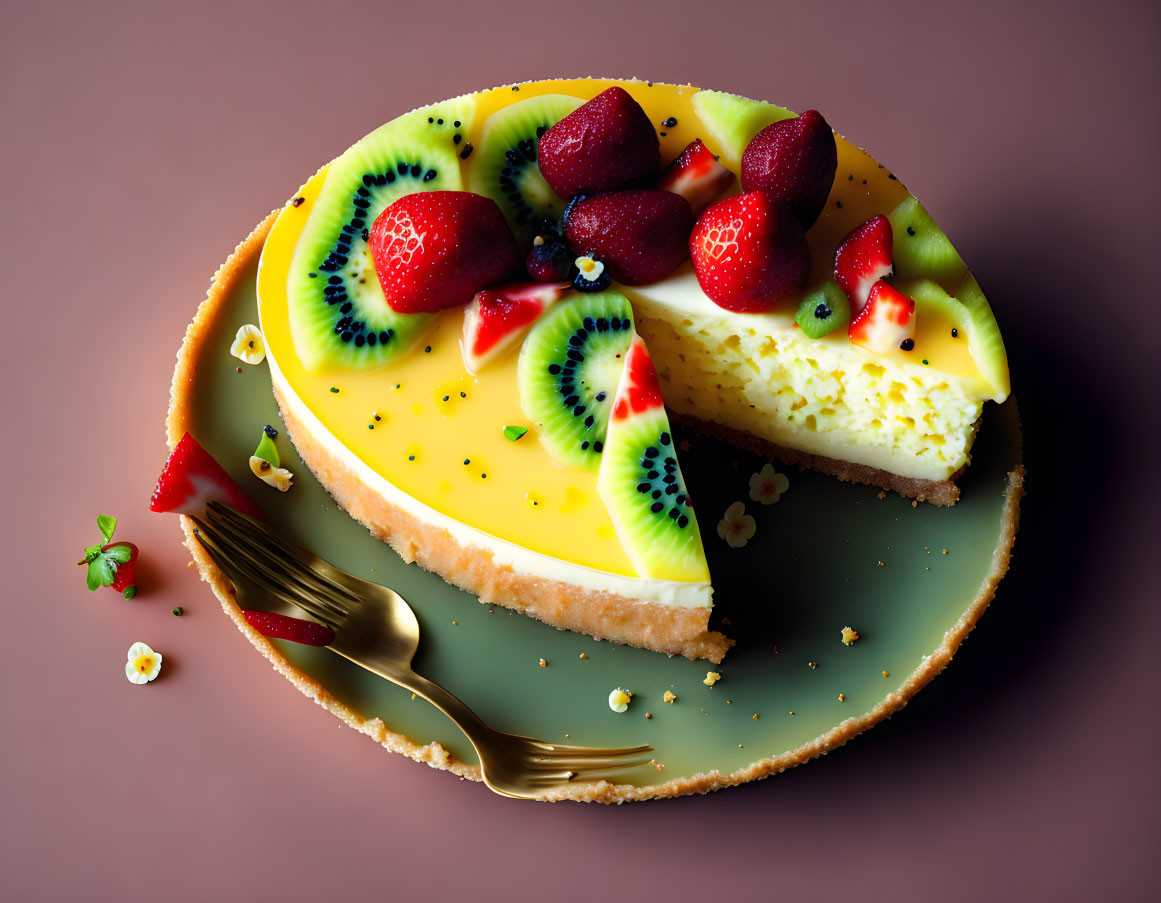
(748, 251)
(606, 143)
(640, 236)
(111, 563)
(795, 161)
(436, 249)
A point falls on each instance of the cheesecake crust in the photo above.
(179, 421)
(943, 493)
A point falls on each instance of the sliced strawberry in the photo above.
(283, 627)
(497, 318)
(191, 478)
(748, 251)
(640, 236)
(863, 258)
(697, 176)
(435, 249)
(123, 580)
(606, 143)
(886, 322)
(795, 160)
(639, 389)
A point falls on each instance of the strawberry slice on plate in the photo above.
(887, 321)
(863, 258)
(284, 627)
(191, 478)
(697, 176)
(497, 318)
(436, 249)
(748, 251)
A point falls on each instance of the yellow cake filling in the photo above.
(436, 432)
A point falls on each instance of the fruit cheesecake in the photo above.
(480, 318)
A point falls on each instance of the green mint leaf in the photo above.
(106, 570)
(512, 433)
(91, 552)
(93, 576)
(106, 524)
(119, 554)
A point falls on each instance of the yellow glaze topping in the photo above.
(439, 435)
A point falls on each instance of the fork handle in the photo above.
(466, 720)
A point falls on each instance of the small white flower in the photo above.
(589, 269)
(737, 528)
(767, 486)
(278, 477)
(619, 700)
(143, 665)
(248, 345)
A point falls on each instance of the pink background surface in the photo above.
(140, 145)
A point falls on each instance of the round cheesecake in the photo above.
(418, 446)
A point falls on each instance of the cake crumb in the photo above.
(945, 551)
(648, 714)
(914, 504)
(619, 700)
(455, 623)
(842, 697)
(755, 716)
(881, 564)
(791, 713)
(658, 765)
(543, 663)
(813, 665)
(886, 673)
(881, 495)
(583, 656)
(669, 696)
(711, 678)
(849, 636)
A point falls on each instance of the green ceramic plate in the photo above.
(910, 580)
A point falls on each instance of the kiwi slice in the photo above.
(568, 370)
(443, 123)
(969, 312)
(823, 310)
(920, 249)
(984, 339)
(339, 317)
(733, 121)
(642, 487)
(504, 166)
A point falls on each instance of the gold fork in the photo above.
(375, 628)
